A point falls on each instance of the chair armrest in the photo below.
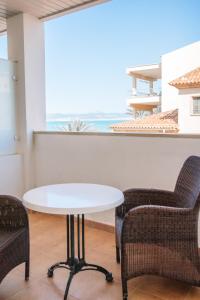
(157, 224)
(13, 214)
(137, 197)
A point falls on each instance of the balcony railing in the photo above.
(144, 94)
(151, 99)
(121, 160)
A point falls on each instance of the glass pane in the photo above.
(7, 107)
(3, 46)
(196, 105)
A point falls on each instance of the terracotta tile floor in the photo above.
(48, 246)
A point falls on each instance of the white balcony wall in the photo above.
(11, 182)
(7, 107)
(153, 100)
(118, 160)
(10, 163)
(26, 46)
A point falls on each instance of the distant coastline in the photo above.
(59, 117)
(99, 122)
(99, 119)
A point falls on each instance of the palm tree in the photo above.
(77, 126)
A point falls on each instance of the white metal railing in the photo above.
(140, 93)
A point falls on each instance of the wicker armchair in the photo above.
(14, 236)
(157, 231)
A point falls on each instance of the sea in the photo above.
(96, 125)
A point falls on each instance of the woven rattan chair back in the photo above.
(14, 235)
(188, 183)
(157, 231)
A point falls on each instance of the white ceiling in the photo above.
(42, 9)
(149, 71)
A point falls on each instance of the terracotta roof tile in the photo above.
(189, 80)
(162, 121)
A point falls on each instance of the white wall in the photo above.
(174, 65)
(188, 123)
(26, 46)
(152, 100)
(11, 164)
(11, 182)
(120, 161)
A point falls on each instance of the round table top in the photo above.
(73, 198)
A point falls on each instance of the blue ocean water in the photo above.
(94, 125)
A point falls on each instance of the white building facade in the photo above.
(189, 113)
(188, 87)
(173, 65)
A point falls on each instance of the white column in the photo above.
(133, 111)
(134, 86)
(151, 87)
(26, 46)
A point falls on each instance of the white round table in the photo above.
(72, 199)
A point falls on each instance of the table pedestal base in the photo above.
(73, 264)
(75, 267)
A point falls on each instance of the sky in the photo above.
(87, 52)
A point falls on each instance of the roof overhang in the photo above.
(145, 71)
(187, 81)
(162, 121)
(43, 10)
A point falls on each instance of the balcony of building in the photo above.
(31, 157)
(145, 92)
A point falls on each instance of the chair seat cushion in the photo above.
(7, 237)
(118, 228)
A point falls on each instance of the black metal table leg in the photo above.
(76, 264)
(71, 275)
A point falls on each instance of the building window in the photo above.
(196, 106)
